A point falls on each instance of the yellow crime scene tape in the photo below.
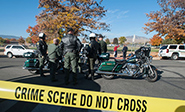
(87, 99)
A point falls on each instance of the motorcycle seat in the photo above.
(120, 61)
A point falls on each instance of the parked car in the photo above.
(173, 51)
(17, 50)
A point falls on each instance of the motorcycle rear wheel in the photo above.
(107, 76)
(152, 77)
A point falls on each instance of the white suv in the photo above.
(17, 50)
(172, 50)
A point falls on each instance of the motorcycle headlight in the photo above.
(146, 66)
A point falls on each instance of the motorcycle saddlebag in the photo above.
(31, 63)
(107, 66)
(105, 56)
(29, 55)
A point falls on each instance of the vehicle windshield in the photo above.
(163, 47)
(7, 47)
(25, 46)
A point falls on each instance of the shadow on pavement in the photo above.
(3, 56)
(178, 74)
(8, 66)
(83, 84)
(180, 109)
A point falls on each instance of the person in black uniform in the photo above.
(42, 48)
(94, 51)
(103, 44)
(70, 46)
(125, 48)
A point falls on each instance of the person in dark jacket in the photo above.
(125, 48)
(71, 46)
(42, 49)
(103, 44)
(94, 51)
(53, 54)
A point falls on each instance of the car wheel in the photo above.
(175, 56)
(10, 55)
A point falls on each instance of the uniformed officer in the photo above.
(42, 48)
(53, 54)
(79, 61)
(94, 51)
(70, 45)
(103, 44)
(125, 48)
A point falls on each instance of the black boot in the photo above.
(87, 75)
(41, 72)
(66, 77)
(74, 79)
(92, 75)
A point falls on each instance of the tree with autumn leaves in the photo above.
(156, 40)
(169, 22)
(33, 33)
(82, 15)
(21, 40)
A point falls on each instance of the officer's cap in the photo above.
(69, 29)
(100, 36)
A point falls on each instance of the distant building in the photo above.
(110, 45)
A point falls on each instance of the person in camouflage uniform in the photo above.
(70, 46)
(42, 49)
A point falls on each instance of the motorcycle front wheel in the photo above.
(152, 77)
(107, 76)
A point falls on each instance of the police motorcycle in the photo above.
(32, 63)
(85, 52)
(136, 66)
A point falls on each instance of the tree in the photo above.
(81, 15)
(1, 40)
(169, 41)
(21, 40)
(107, 41)
(115, 41)
(169, 21)
(12, 39)
(84, 40)
(29, 40)
(156, 40)
(122, 40)
(7, 41)
(33, 33)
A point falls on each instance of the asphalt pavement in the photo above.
(169, 85)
